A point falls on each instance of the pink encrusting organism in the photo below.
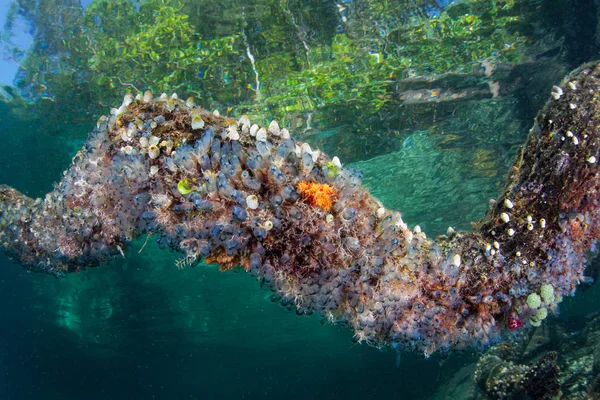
(230, 192)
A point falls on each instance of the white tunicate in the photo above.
(274, 128)
(305, 148)
(131, 130)
(232, 133)
(261, 135)
(380, 212)
(197, 122)
(556, 93)
(127, 100)
(315, 155)
(285, 134)
(244, 120)
(456, 260)
(508, 203)
(511, 232)
(591, 160)
(153, 141)
(147, 96)
(504, 217)
(252, 201)
(164, 97)
(153, 151)
(190, 102)
(153, 170)
(171, 104)
(336, 162)
(174, 96)
(216, 113)
(268, 225)
(254, 129)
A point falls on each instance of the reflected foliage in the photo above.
(269, 58)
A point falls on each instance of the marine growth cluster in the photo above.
(231, 192)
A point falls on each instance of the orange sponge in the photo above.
(317, 194)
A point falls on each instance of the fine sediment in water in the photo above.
(230, 192)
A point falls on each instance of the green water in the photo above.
(400, 90)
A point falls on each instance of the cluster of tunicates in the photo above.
(227, 191)
(505, 379)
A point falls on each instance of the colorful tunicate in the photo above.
(197, 122)
(534, 301)
(153, 151)
(252, 201)
(183, 186)
(547, 293)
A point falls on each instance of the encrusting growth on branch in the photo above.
(234, 193)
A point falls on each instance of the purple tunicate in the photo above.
(276, 200)
(349, 213)
(285, 148)
(226, 149)
(170, 164)
(249, 181)
(307, 161)
(277, 175)
(239, 213)
(287, 192)
(204, 162)
(259, 233)
(203, 205)
(148, 215)
(263, 148)
(204, 144)
(252, 162)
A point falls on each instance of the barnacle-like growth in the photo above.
(260, 203)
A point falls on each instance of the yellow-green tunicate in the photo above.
(534, 301)
(184, 187)
(541, 314)
(547, 293)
